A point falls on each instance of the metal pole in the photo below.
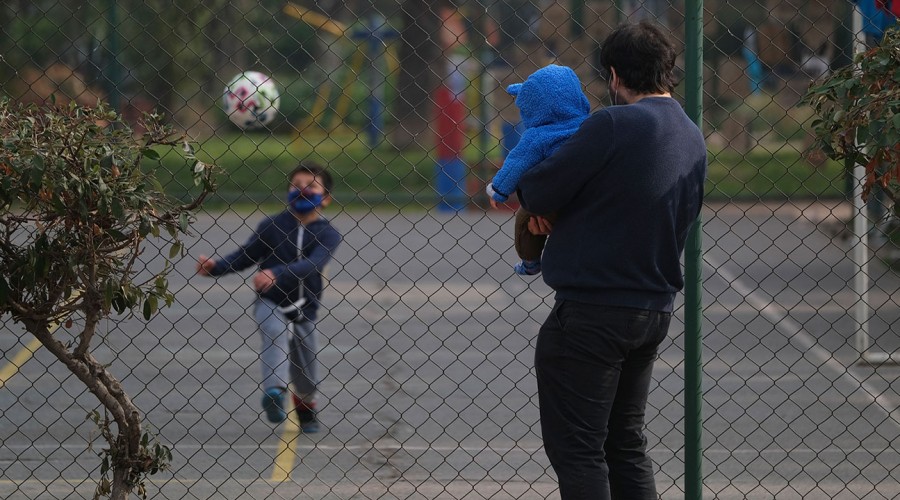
(693, 340)
(861, 232)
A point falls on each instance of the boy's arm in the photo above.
(553, 183)
(288, 276)
(248, 254)
(525, 155)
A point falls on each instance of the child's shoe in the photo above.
(528, 267)
(306, 413)
(273, 404)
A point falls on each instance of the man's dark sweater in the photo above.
(626, 189)
(274, 246)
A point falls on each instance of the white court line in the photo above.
(797, 335)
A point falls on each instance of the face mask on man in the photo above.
(613, 93)
(303, 201)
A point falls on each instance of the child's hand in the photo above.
(263, 280)
(495, 196)
(205, 265)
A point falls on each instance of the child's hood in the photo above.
(551, 94)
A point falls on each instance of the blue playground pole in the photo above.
(451, 175)
(754, 65)
(375, 35)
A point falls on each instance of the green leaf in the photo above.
(37, 173)
(117, 210)
(862, 134)
(148, 312)
(4, 290)
(108, 292)
(40, 265)
(144, 228)
(174, 251)
(119, 301)
(150, 154)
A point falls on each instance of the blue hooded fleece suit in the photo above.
(552, 106)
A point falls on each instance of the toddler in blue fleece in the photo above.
(552, 106)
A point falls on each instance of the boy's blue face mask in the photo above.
(303, 202)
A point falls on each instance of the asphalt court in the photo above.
(429, 391)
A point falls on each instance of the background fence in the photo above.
(427, 336)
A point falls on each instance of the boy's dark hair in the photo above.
(311, 167)
(643, 57)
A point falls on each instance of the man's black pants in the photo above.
(594, 367)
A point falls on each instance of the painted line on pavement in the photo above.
(26, 352)
(795, 334)
(287, 445)
(18, 360)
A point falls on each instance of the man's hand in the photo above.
(263, 280)
(539, 225)
(205, 265)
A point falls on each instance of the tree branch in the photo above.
(80, 368)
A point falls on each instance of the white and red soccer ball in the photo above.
(251, 100)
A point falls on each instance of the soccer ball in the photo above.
(251, 100)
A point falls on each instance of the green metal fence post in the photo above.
(693, 387)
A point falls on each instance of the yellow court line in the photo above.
(18, 360)
(26, 352)
(287, 446)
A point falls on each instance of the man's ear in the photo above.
(326, 200)
(613, 77)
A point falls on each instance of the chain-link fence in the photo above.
(426, 336)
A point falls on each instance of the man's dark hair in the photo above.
(643, 57)
(311, 167)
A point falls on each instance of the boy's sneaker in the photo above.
(273, 404)
(528, 267)
(306, 413)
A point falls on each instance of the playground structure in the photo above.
(371, 41)
(759, 59)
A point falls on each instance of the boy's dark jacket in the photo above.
(274, 246)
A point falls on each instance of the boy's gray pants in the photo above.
(288, 350)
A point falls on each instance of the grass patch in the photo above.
(782, 174)
(254, 168)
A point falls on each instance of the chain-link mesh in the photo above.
(426, 337)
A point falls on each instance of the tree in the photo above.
(75, 208)
(858, 115)
(421, 70)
